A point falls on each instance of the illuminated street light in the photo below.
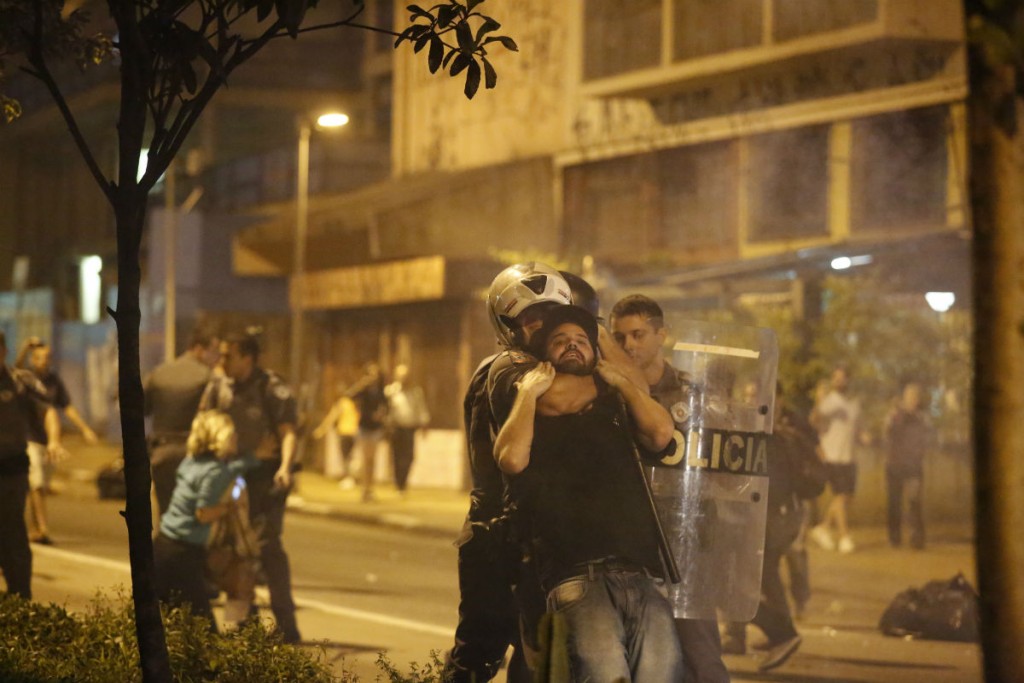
(324, 121)
(332, 119)
(940, 302)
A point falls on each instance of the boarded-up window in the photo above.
(620, 36)
(899, 170)
(799, 18)
(609, 207)
(683, 200)
(788, 186)
(708, 27)
(698, 196)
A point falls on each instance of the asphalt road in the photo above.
(361, 590)
(364, 590)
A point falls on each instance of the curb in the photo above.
(79, 481)
(390, 520)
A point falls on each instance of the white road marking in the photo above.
(306, 603)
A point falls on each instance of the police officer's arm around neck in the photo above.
(654, 426)
(512, 446)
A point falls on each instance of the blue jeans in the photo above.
(619, 627)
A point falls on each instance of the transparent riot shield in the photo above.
(711, 491)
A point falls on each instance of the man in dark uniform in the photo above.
(22, 401)
(638, 325)
(263, 409)
(488, 567)
(173, 390)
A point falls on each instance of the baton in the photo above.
(666, 550)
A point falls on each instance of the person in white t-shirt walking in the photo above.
(837, 416)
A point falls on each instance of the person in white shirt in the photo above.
(837, 416)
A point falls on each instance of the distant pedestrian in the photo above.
(836, 416)
(909, 437)
(173, 390)
(264, 412)
(368, 394)
(40, 463)
(407, 414)
(23, 401)
(341, 423)
(203, 493)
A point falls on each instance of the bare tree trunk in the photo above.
(138, 512)
(997, 202)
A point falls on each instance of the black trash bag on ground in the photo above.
(941, 610)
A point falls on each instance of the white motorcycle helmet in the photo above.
(517, 288)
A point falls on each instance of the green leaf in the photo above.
(461, 62)
(417, 11)
(291, 12)
(448, 57)
(507, 42)
(436, 53)
(490, 75)
(445, 15)
(422, 41)
(472, 79)
(471, 4)
(486, 27)
(263, 9)
(465, 36)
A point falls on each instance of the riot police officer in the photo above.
(264, 412)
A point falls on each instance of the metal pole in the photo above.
(170, 255)
(299, 263)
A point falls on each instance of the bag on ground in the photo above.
(941, 610)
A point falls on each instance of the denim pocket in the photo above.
(567, 593)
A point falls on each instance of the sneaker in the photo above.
(822, 537)
(846, 545)
(779, 653)
(731, 645)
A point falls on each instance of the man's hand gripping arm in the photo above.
(512, 446)
(654, 426)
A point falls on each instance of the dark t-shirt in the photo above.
(909, 436)
(581, 498)
(258, 406)
(23, 401)
(373, 406)
(173, 390)
(57, 396)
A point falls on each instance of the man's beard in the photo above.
(575, 366)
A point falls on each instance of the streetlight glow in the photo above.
(332, 119)
(940, 302)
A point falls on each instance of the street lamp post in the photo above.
(330, 120)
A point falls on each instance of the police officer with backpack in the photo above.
(264, 412)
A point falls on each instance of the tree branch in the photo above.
(42, 72)
(190, 111)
